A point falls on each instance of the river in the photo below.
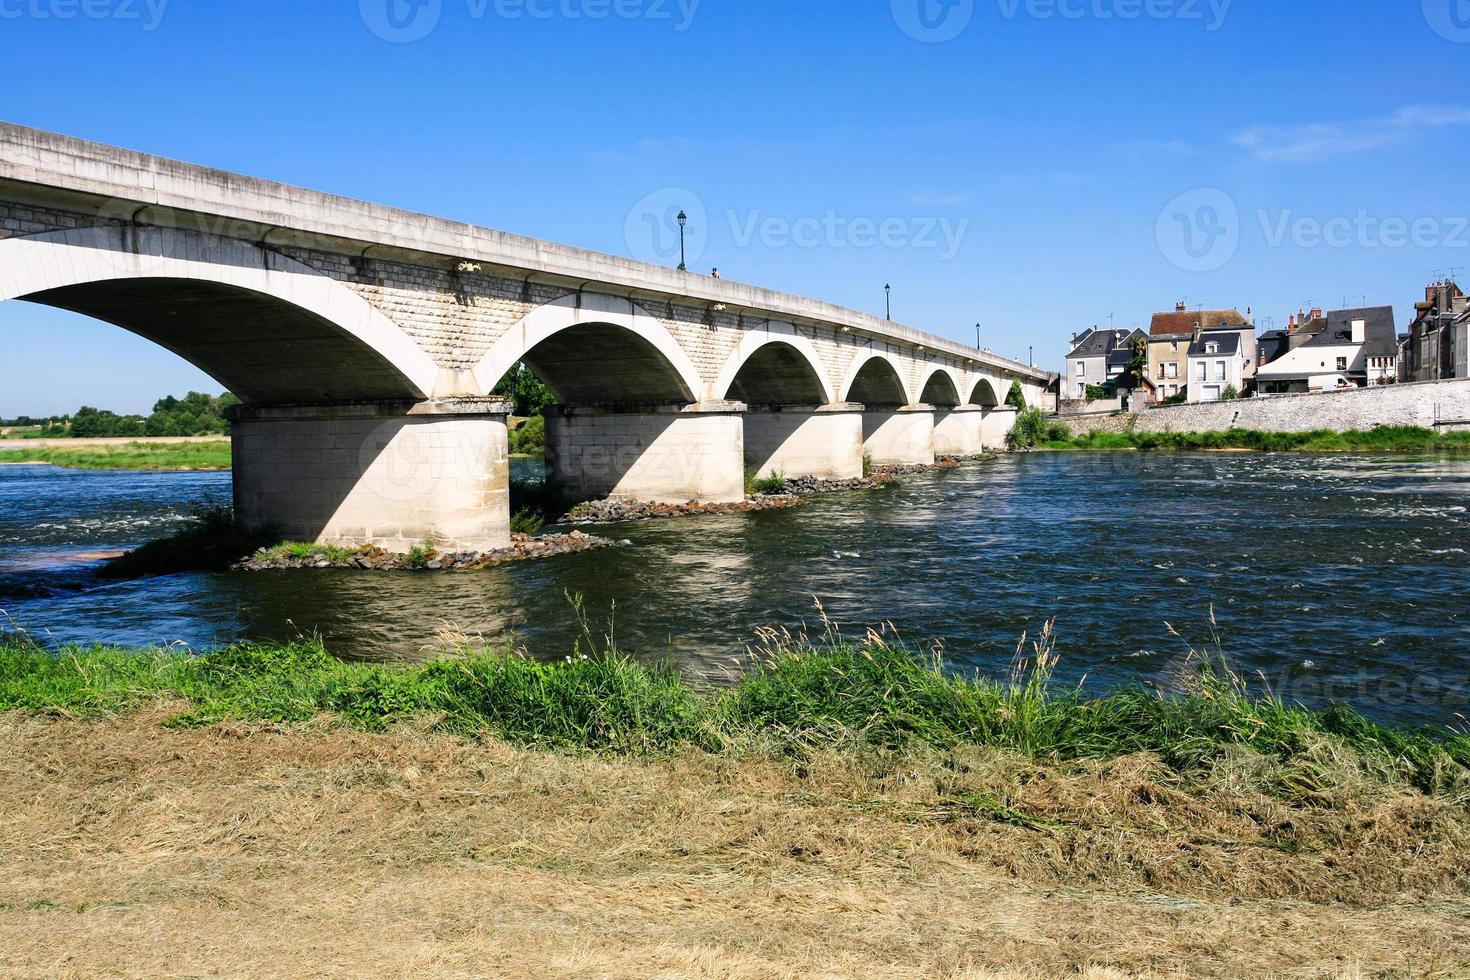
(1331, 577)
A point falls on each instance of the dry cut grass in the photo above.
(130, 848)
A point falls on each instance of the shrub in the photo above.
(530, 438)
(1030, 429)
(772, 485)
(527, 521)
(1016, 398)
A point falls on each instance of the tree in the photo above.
(1229, 394)
(526, 392)
(1016, 398)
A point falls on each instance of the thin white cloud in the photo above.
(1319, 141)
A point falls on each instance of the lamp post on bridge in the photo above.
(888, 300)
(683, 220)
(977, 336)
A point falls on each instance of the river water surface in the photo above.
(1334, 578)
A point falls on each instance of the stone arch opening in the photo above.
(877, 385)
(262, 348)
(264, 325)
(777, 374)
(940, 390)
(985, 395)
(603, 364)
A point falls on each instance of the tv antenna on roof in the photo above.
(1453, 273)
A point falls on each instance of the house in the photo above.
(1122, 355)
(1171, 335)
(1439, 337)
(1271, 345)
(1341, 349)
(1087, 362)
(1217, 365)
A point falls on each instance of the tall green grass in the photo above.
(796, 694)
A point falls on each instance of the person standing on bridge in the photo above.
(714, 273)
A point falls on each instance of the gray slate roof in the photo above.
(1101, 343)
(1381, 337)
(1229, 344)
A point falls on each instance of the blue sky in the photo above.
(1050, 164)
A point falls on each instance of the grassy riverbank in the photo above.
(798, 695)
(162, 454)
(269, 809)
(1035, 431)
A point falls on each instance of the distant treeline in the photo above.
(196, 414)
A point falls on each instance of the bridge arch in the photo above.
(265, 326)
(984, 394)
(595, 349)
(876, 379)
(774, 366)
(941, 389)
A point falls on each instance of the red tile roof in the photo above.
(1182, 323)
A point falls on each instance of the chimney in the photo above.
(1291, 324)
(1180, 307)
(1316, 313)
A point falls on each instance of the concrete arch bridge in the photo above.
(365, 343)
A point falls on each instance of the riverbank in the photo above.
(857, 812)
(176, 455)
(1388, 439)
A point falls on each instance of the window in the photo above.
(1220, 371)
(1342, 363)
(1161, 369)
(1081, 369)
(1173, 369)
(1201, 371)
(1212, 348)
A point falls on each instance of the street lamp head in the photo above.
(683, 218)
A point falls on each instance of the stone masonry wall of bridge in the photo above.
(456, 316)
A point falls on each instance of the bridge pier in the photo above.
(668, 454)
(900, 436)
(998, 424)
(959, 431)
(825, 442)
(390, 474)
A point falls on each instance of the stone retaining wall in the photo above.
(1430, 404)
